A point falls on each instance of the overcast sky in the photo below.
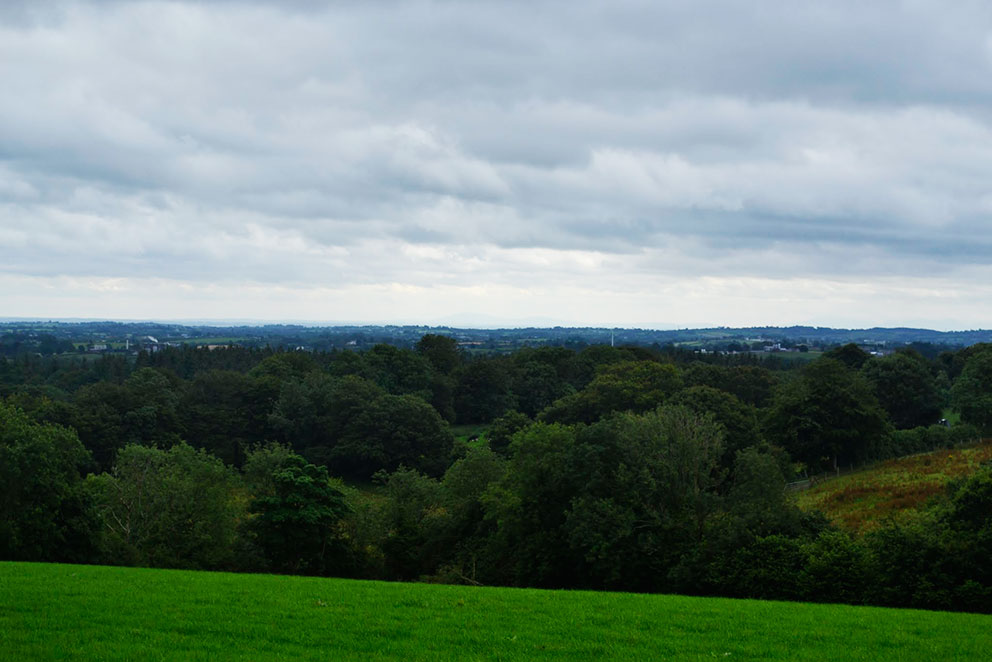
(618, 163)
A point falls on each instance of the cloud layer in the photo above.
(585, 162)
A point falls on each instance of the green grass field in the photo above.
(62, 612)
(463, 432)
(952, 416)
(863, 500)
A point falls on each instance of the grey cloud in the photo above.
(316, 142)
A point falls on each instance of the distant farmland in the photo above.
(61, 612)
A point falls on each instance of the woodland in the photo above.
(615, 468)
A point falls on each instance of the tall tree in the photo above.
(906, 389)
(971, 393)
(440, 351)
(390, 431)
(175, 508)
(615, 504)
(299, 526)
(850, 355)
(44, 513)
(484, 391)
(739, 421)
(827, 416)
(636, 386)
(218, 413)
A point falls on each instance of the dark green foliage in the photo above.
(311, 414)
(970, 503)
(613, 504)
(503, 428)
(44, 404)
(591, 359)
(298, 416)
(414, 524)
(440, 351)
(827, 417)
(261, 463)
(968, 518)
(698, 373)
(754, 516)
(769, 568)
(44, 512)
(284, 366)
(739, 421)
(971, 394)
(922, 440)
(219, 413)
(636, 386)
(188, 361)
(357, 428)
(751, 384)
(905, 565)
(756, 497)
(390, 431)
(484, 391)
(400, 371)
(168, 509)
(850, 355)
(837, 569)
(537, 385)
(687, 497)
(906, 389)
(442, 396)
(571, 368)
(529, 507)
(466, 532)
(939, 559)
(153, 419)
(954, 362)
(98, 416)
(145, 410)
(298, 527)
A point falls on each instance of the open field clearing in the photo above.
(63, 612)
(861, 501)
(469, 433)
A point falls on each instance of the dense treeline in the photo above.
(622, 468)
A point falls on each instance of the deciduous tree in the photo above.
(44, 514)
(299, 526)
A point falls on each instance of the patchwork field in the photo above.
(62, 612)
(861, 501)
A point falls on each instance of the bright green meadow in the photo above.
(65, 612)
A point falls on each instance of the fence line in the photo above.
(812, 481)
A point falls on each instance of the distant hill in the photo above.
(862, 500)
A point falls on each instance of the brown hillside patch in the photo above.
(861, 501)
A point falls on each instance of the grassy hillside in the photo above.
(861, 501)
(60, 612)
